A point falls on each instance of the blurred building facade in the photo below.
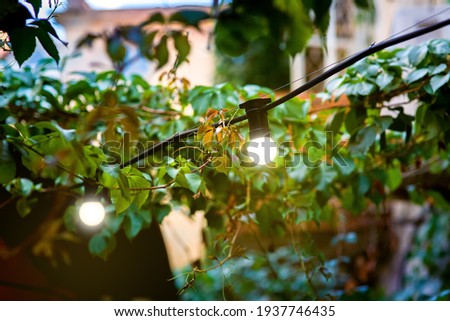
(352, 30)
(80, 19)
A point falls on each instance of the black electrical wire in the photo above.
(337, 68)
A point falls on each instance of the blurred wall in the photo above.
(79, 19)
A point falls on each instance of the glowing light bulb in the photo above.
(92, 213)
(262, 150)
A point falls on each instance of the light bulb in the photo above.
(92, 213)
(262, 150)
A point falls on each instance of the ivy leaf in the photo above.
(334, 84)
(384, 122)
(334, 122)
(354, 119)
(417, 54)
(300, 27)
(363, 88)
(384, 79)
(193, 181)
(161, 52)
(68, 134)
(110, 175)
(189, 17)
(434, 70)
(393, 178)
(121, 203)
(24, 206)
(4, 113)
(23, 43)
(7, 163)
(416, 75)
(182, 45)
(115, 48)
(438, 81)
(139, 182)
(228, 35)
(439, 47)
(46, 26)
(102, 245)
(156, 17)
(132, 225)
(362, 140)
(37, 4)
(321, 15)
(363, 185)
(161, 212)
(201, 102)
(324, 176)
(87, 40)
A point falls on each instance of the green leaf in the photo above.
(23, 43)
(362, 140)
(115, 48)
(156, 17)
(228, 35)
(47, 44)
(162, 52)
(110, 176)
(417, 54)
(354, 119)
(37, 4)
(303, 198)
(365, 4)
(200, 103)
(293, 110)
(259, 179)
(189, 17)
(161, 212)
(363, 185)
(4, 113)
(324, 176)
(393, 178)
(137, 182)
(416, 75)
(439, 47)
(364, 88)
(384, 122)
(24, 206)
(334, 84)
(438, 81)
(182, 45)
(45, 25)
(120, 201)
(300, 27)
(434, 70)
(68, 134)
(102, 245)
(132, 225)
(321, 14)
(193, 181)
(215, 220)
(335, 121)
(384, 79)
(7, 163)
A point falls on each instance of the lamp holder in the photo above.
(257, 117)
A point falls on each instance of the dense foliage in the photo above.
(22, 28)
(73, 136)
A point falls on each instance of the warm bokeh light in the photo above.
(262, 150)
(92, 213)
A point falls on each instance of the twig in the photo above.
(159, 111)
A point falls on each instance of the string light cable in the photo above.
(347, 62)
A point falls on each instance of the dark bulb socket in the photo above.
(257, 117)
